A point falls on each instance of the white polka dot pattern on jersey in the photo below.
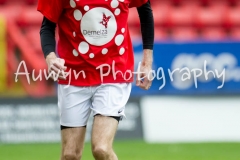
(117, 12)
(122, 51)
(86, 8)
(91, 55)
(83, 47)
(98, 22)
(114, 4)
(75, 53)
(119, 39)
(77, 15)
(105, 51)
(72, 4)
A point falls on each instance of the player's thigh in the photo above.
(103, 131)
(73, 141)
(110, 99)
(74, 105)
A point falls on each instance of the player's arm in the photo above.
(147, 30)
(48, 44)
(47, 34)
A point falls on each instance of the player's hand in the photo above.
(144, 75)
(56, 67)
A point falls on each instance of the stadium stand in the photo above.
(213, 33)
(177, 20)
(181, 16)
(184, 33)
(23, 42)
(235, 33)
(193, 20)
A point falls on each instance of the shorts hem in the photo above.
(73, 125)
(109, 115)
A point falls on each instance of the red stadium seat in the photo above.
(183, 15)
(160, 34)
(3, 1)
(29, 16)
(233, 16)
(232, 2)
(11, 2)
(210, 16)
(237, 2)
(7, 11)
(235, 33)
(31, 2)
(213, 33)
(153, 2)
(160, 12)
(33, 37)
(176, 2)
(184, 34)
(135, 33)
(183, 2)
(214, 2)
(133, 19)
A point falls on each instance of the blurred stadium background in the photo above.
(174, 120)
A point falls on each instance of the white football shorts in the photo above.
(76, 103)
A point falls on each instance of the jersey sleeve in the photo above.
(51, 9)
(137, 3)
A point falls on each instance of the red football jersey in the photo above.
(94, 39)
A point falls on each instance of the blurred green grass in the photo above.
(129, 150)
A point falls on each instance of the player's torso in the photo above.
(94, 29)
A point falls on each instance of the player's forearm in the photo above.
(147, 25)
(47, 35)
(147, 57)
(51, 55)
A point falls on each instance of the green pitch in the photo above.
(129, 150)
